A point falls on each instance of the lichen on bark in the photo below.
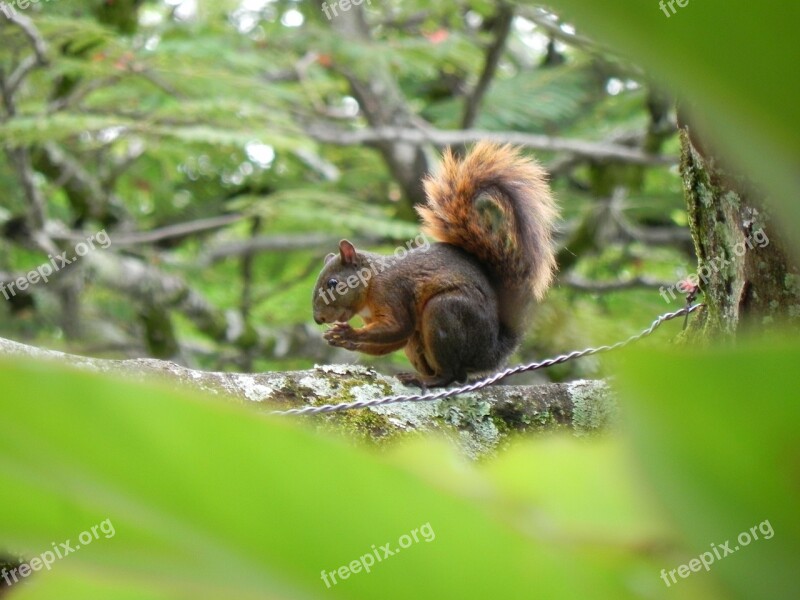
(745, 271)
(478, 423)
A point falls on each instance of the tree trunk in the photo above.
(744, 269)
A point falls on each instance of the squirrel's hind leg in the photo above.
(425, 376)
(455, 335)
(415, 379)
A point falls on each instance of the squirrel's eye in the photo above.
(332, 283)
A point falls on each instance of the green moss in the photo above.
(545, 420)
(366, 426)
(792, 284)
(502, 426)
(363, 424)
(732, 200)
(518, 421)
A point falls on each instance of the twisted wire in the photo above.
(431, 396)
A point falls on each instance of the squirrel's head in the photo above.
(341, 288)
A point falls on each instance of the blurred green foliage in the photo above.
(734, 71)
(204, 112)
(210, 499)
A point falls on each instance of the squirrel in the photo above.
(458, 307)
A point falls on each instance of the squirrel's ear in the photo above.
(348, 252)
(329, 257)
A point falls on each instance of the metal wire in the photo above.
(430, 397)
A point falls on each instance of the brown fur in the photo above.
(518, 254)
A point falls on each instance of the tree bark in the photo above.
(479, 423)
(383, 104)
(743, 267)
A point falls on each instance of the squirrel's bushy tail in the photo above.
(496, 205)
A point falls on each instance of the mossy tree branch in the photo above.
(479, 423)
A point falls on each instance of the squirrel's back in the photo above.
(496, 205)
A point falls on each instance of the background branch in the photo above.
(602, 287)
(161, 234)
(502, 28)
(441, 138)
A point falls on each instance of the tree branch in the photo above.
(550, 24)
(657, 236)
(604, 287)
(480, 422)
(273, 243)
(502, 27)
(85, 193)
(136, 238)
(587, 149)
(38, 44)
(149, 286)
(652, 236)
(383, 104)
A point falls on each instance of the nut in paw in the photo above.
(340, 336)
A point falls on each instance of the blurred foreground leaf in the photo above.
(717, 434)
(736, 63)
(210, 499)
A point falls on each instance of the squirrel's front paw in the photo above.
(340, 336)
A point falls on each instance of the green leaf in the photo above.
(212, 499)
(737, 63)
(716, 433)
(536, 100)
